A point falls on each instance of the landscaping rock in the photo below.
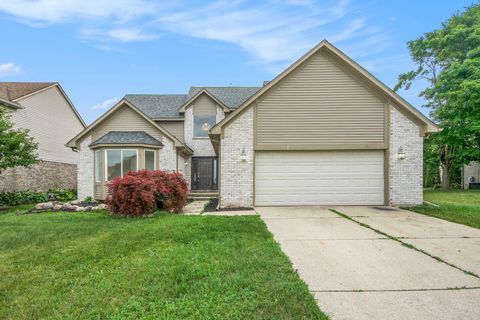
(88, 208)
(102, 206)
(57, 207)
(75, 202)
(68, 207)
(80, 209)
(44, 206)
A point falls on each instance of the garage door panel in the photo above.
(319, 178)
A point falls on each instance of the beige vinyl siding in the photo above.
(174, 127)
(320, 106)
(204, 106)
(51, 122)
(125, 119)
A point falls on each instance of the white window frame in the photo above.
(145, 159)
(121, 160)
(97, 158)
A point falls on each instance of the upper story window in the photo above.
(202, 124)
(120, 161)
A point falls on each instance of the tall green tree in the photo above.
(448, 59)
(17, 148)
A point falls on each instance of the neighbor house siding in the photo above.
(174, 127)
(236, 178)
(405, 176)
(125, 119)
(52, 122)
(41, 176)
(320, 106)
(471, 170)
(86, 167)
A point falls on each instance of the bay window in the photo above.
(120, 161)
(97, 166)
(149, 160)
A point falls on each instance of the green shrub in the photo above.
(29, 196)
(63, 195)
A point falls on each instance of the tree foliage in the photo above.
(449, 60)
(17, 148)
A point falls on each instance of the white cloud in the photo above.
(8, 69)
(104, 105)
(128, 35)
(59, 11)
(274, 32)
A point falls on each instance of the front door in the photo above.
(204, 173)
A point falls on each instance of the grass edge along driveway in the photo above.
(460, 206)
(93, 265)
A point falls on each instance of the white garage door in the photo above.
(319, 178)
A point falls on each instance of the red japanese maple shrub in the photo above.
(131, 196)
(171, 188)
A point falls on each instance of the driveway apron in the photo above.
(381, 262)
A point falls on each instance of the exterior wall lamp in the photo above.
(243, 156)
(401, 153)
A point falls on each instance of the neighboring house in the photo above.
(471, 174)
(323, 132)
(44, 109)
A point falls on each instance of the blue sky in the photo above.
(100, 50)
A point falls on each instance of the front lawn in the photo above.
(461, 206)
(95, 266)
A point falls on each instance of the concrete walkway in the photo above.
(355, 272)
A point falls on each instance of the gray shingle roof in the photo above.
(158, 106)
(127, 137)
(232, 97)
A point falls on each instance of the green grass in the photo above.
(460, 206)
(95, 266)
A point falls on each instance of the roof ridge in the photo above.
(155, 94)
(225, 86)
(23, 82)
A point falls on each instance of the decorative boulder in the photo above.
(102, 206)
(44, 206)
(68, 207)
(57, 207)
(79, 209)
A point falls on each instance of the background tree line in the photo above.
(448, 59)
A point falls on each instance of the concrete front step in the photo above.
(202, 195)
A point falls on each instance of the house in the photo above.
(323, 132)
(471, 175)
(44, 109)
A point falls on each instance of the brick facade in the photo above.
(168, 155)
(85, 170)
(405, 176)
(202, 147)
(236, 178)
(42, 176)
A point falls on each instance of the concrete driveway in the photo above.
(356, 270)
